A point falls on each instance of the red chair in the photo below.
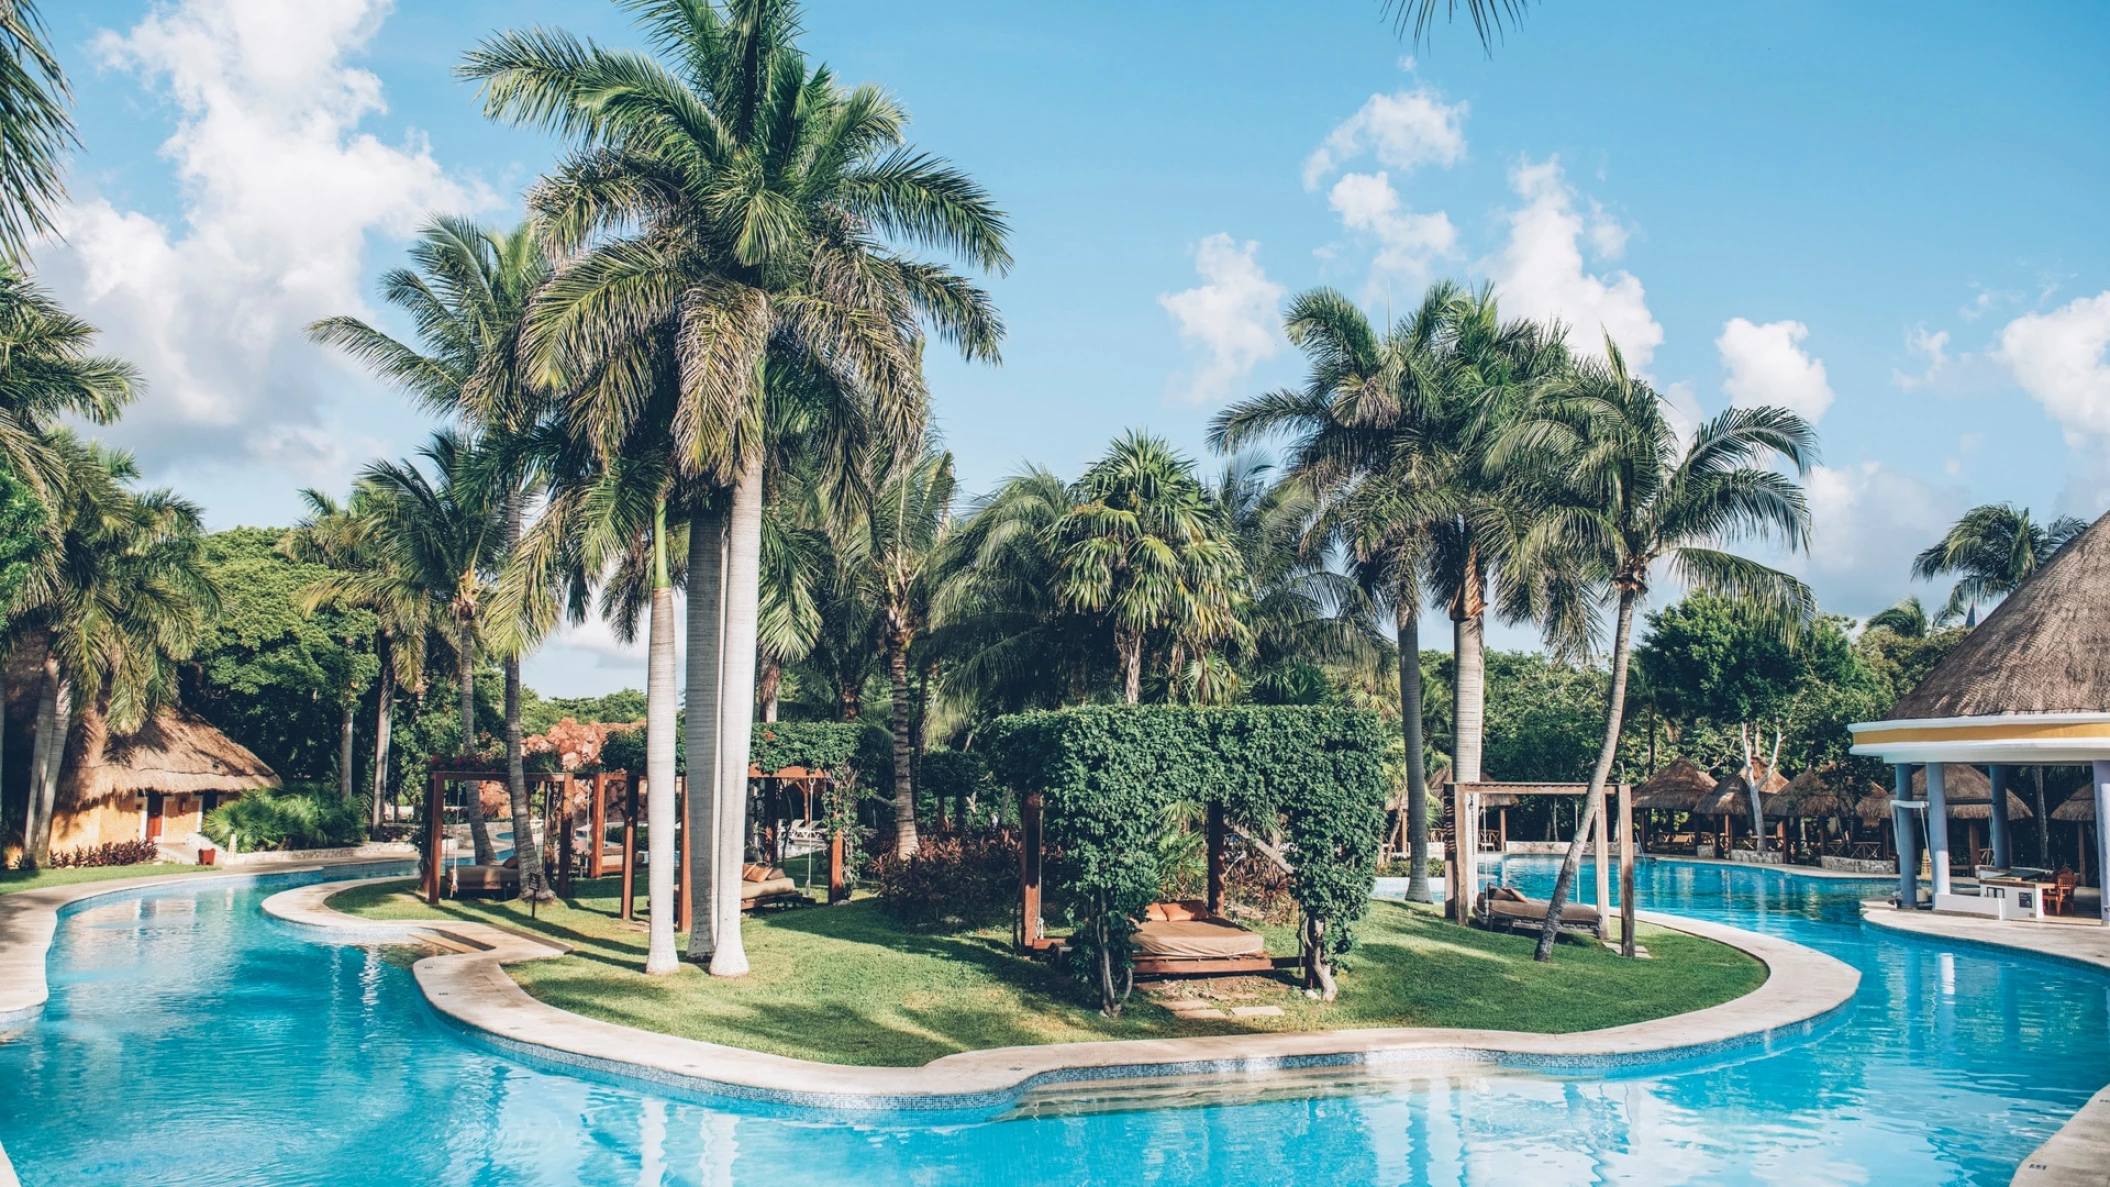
(2059, 895)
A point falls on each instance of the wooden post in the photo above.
(1626, 870)
(629, 844)
(1216, 859)
(1029, 870)
(564, 846)
(838, 882)
(597, 825)
(1604, 864)
(435, 832)
(1503, 817)
(681, 881)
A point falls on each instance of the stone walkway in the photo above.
(472, 988)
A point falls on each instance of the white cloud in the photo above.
(1867, 521)
(1682, 409)
(2058, 358)
(1405, 130)
(1231, 317)
(280, 190)
(1767, 365)
(1541, 273)
(1934, 347)
(1408, 243)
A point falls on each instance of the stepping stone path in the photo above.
(1256, 1011)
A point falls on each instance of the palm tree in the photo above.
(35, 129)
(727, 193)
(120, 601)
(1626, 495)
(1488, 16)
(47, 372)
(441, 532)
(330, 536)
(1995, 548)
(467, 292)
(1144, 547)
(1906, 620)
(346, 537)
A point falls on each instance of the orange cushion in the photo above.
(1177, 912)
(752, 872)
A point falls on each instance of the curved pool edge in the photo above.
(470, 989)
(29, 919)
(2076, 1155)
(2084, 946)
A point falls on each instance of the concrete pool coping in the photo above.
(472, 990)
(30, 918)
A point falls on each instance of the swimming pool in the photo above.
(191, 1040)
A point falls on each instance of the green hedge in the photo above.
(952, 777)
(1106, 773)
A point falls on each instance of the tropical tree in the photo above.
(1907, 619)
(47, 372)
(329, 536)
(36, 131)
(730, 195)
(441, 532)
(119, 601)
(1994, 548)
(1625, 495)
(347, 538)
(467, 292)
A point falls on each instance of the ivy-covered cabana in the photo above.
(1093, 785)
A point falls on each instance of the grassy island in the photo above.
(848, 985)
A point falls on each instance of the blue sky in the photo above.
(1886, 215)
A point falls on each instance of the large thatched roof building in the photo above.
(155, 784)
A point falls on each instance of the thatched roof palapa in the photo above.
(1675, 788)
(1827, 791)
(2080, 806)
(175, 752)
(1968, 793)
(2045, 649)
(1732, 796)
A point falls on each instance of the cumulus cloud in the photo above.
(2058, 358)
(280, 189)
(1405, 130)
(1541, 272)
(1231, 317)
(1867, 521)
(1408, 243)
(1767, 365)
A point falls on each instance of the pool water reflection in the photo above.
(191, 1040)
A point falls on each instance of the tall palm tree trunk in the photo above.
(472, 803)
(36, 828)
(1615, 710)
(905, 841)
(1407, 616)
(384, 723)
(2043, 822)
(534, 879)
(660, 813)
(736, 657)
(771, 683)
(706, 623)
(346, 732)
(1468, 717)
(1130, 644)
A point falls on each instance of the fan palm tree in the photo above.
(735, 195)
(120, 601)
(36, 131)
(1994, 548)
(441, 532)
(467, 292)
(1627, 495)
(346, 538)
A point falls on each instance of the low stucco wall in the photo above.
(371, 851)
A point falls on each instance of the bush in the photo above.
(116, 853)
(952, 777)
(624, 750)
(956, 881)
(291, 818)
(1401, 867)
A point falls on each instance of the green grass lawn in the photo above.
(846, 985)
(12, 881)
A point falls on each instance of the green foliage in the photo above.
(953, 883)
(271, 677)
(23, 518)
(954, 776)
(1708, 658)
(538, 713)
(623, 750)
(1107, 773)
(296, 817)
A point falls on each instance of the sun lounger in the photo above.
(494, 879)
(1505, 909)
(1183, 938)
(768, 886)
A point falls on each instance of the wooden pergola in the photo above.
(1463, 882)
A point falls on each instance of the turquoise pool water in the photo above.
(191, 1040)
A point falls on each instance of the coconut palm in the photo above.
(1994, 548)
(47, 372)
(346, 538)
(36, 131)
(120, 601)
(1628, 495)
(442, 532)
(467, 292)
(735, 195)
(1907, 619)
(1489, 17)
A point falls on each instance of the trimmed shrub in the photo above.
(955, 882)
(292, 818)
(115, 853)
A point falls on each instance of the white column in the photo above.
(1938, 830)
(2102, 827)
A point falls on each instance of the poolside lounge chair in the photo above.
(495, 879)
(1184, 939)
(1505, 909)
(768, 886)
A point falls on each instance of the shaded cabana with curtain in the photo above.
(2029, 686)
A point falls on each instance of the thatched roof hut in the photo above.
(1732, 796)
(1874, 807)
(1825, 792)
(1969, 792)
(177, 752)
(1675, 788)
(2079, 807)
